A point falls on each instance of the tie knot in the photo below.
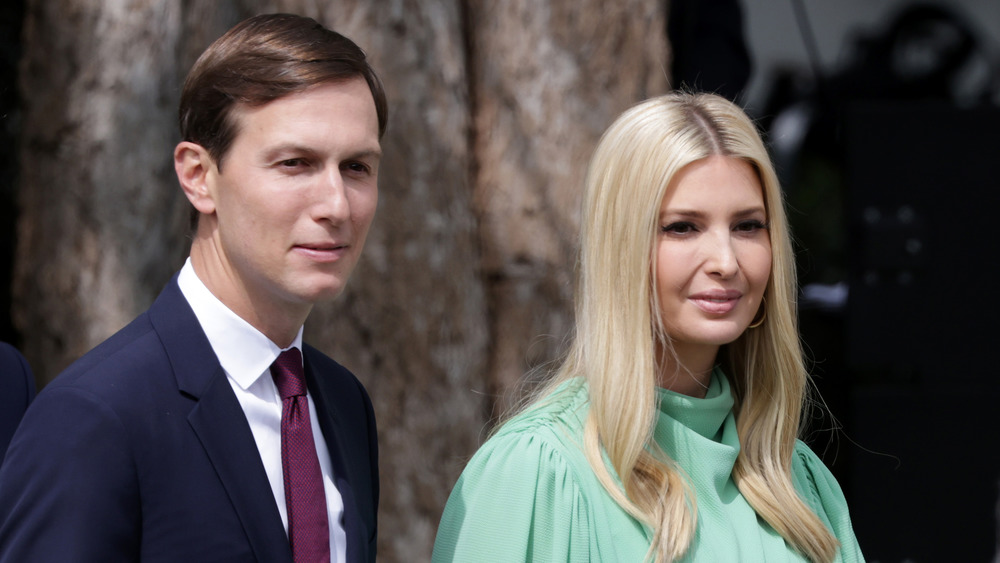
(287, 374)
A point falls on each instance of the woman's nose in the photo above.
(721, 256)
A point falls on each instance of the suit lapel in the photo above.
(332, 427)
(220, 424)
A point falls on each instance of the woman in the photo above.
(669, 432)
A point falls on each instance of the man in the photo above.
(188, 435)
(17, 389)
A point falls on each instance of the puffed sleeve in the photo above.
(517, 500)
(823, 494)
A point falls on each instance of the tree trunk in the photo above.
(548, 78)
(102, 221)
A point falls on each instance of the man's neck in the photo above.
(280, 322)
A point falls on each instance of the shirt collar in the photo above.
(243, 351)
(705, 415)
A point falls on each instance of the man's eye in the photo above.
(357, 167)
(293, 163)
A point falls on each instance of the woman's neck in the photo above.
(687, 369)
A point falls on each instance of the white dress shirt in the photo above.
(246, 356)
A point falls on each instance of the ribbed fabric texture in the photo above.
(308, 529)
(529, 494)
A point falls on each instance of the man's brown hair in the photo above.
(261, 59)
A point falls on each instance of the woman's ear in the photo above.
(193, 166)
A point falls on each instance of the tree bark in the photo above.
(101, 224)
(548, 78)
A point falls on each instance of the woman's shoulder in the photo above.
(813, 478)
(546, 435)
(565, 407)
(820, 490)
(530, 476)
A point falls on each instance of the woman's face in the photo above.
(713, 255)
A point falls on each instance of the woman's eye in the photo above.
(679, 228)
(750, 226)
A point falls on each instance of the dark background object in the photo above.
(11, 16)
(887, 165)
(893, 195)
(921, 327)
(709, 48)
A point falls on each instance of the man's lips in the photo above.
(322, 252)
(716, 301)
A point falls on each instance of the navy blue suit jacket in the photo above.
(17, 389)
(141, 451)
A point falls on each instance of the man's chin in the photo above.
(323, 294)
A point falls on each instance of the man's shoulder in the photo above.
(16, 378)
(318, 358)
(325, 365)
(327, 371)
(113, 367)
(9, 355)
(137, 352)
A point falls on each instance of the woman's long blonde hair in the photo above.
(618, 328)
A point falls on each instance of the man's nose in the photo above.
(331, 200)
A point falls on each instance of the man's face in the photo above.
(294, 199)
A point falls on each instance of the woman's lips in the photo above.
(716, 302)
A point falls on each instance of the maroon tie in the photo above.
(308, 530)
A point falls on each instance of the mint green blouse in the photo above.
(529, 494)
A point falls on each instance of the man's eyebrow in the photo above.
(276, 150)
(367, 153)
(295, 148)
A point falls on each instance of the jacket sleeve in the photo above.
(68, 486)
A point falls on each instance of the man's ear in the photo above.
(194, 168)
